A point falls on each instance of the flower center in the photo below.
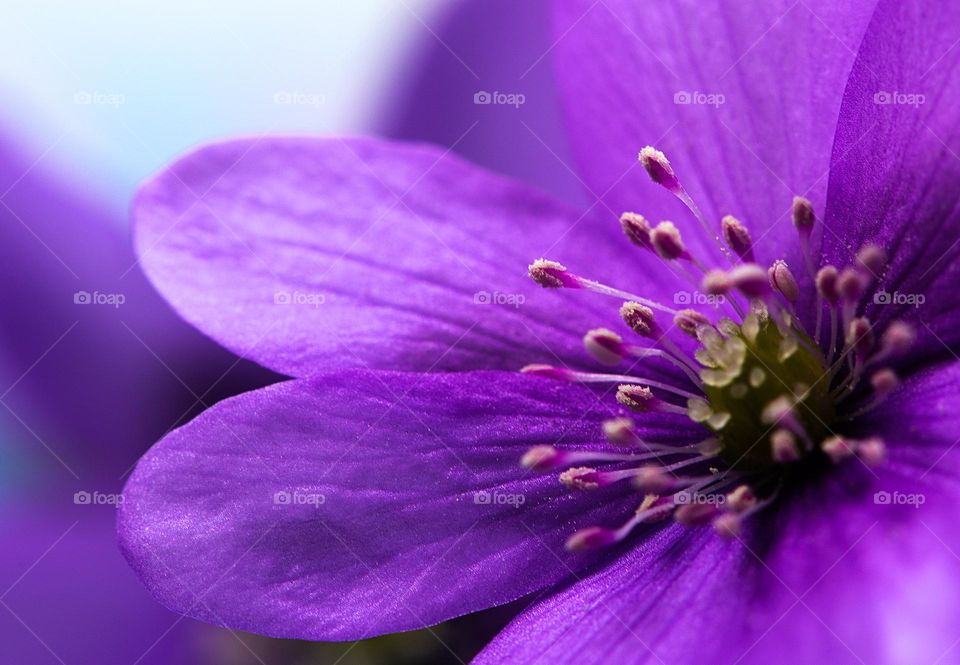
(768, 390)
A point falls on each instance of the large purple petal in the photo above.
(420, 510)
(896, 163)
(742, 96)
(307, 253)
(836, 574)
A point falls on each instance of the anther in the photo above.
(658, 168)
(872, 259)
(641, 399)
(541, 457)
(716, 283)
(667, 241)
(620, 431)
(728, 525)
(860, 336)
(827, 284)
(637, 229)
(639, 318)
(782, 280)
(654, 479)
(742, 498)
(737, 237)
(751, 280)
(873, 451)
(604, 345)
(784, 446)
(552, 275)
(689, 321)
(803, 215)
(850, 285)
(580, 478)
(549, 372)
(695, 514)
(897, 338)
(591, 538)
(884, 382)
(837, 449)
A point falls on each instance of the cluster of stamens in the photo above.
(768, 392)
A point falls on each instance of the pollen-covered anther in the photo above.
(541, 457)
(783, 281)
(639, 318)
(716, 283)
(872, 451)
(897, 338)
(591, 538)
(728, 525)
(637, 229)
(604, 345)
(751, 280)
(689, 321)
(783, 445)
(872, 259)
(549, 372)
(654, 479)
(850, 285)
(838, 449)
(741, 499)
(695, 514)
(737, 237)
(826, 282)
(657, 166)
(620, 431)
(580, 478)
(860, 336)
(638, 398)
(803, 215)
(884, 382)
(552, 275)
(667, 241)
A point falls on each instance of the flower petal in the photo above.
(308, 253)
(360, 503)
(896, 164)
(835, 574)
(742, 97)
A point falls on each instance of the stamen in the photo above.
(641, 399)
(728, 525)
(690, 321)
(837, 449)
(620, 431)
(873, 452)
(737, 237)
(897, 339)
(639, 318)
(751, 280)
(572, 376)
(549, 372)
(860, 337)
(716, 283)
(884, 382)
(826, 282)
(580, 478)
(741, 499)
(695, 514)
(784, 446)
(637, 229)
(604, 345)
(782, 280)
(803, 219)
(591, 538)
(550, 274)
(667, 242)
(872, 260)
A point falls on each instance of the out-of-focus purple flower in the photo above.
(379, 490)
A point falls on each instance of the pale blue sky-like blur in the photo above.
(107, 91)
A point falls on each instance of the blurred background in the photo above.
(94, 367)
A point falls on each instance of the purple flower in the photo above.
(811, 197)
